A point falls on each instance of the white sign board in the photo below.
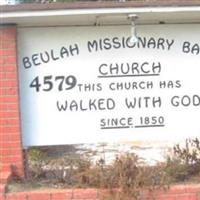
(88, 84)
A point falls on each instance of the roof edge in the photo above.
(98, 5)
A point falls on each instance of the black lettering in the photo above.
(142, 42)
(196, 100)
(130, 104)
(116, 43)
(92, 104)
(135, 68)
(122, 121)
(80, 87)
(110, 104)
(143, 69)
(26, 62)
(174, 101)
(107, 44)
(102, 122)
(64, 52)
(156, 68)
(74, 50)
(125, 68)
(149, 85)
(111, 86)
(185, 100)
(134, 85)
(129, 44)
(146, 101)
(101, 71)
(74, 105)
(186, 47)
(169, 44)
(156, 102)
(47, 57)
(99, 87)
(92, 45)
(160, 44)
(170, 84)
(62, 107)
(178, 84)
(124, 42)
(195, 49)
(151, 43)
(114, 69)
(53, 56)
(100, 44)
(101, 104)
(35, 59)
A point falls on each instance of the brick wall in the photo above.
(185, 192)
(11, 158)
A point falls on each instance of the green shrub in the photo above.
(184, 162)
(126, 177)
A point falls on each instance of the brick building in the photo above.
(13, 18)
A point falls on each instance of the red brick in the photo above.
(10, 137)
(6, 167)
(2, 197)
(11, 159)
(165, 197)
(4, 115)
(9, 91)
(11, 152)
(38, 196)
(16, 196)
(17, 168)
(186, 197)
(9, 99)
(6, 75)
(8, 60)
(177, 189)
(64, 195)
(10, 33)
(7, 38)
(4, 177)
(85, 194)
(7, 45)
(10, 129)
(193, 188)
(8, 122)
(10, 36)
(7, 52)
(17, 171)
(10, 134)
(2, 187)
(9, 107)
(8, 68)
(8, 83)
(8, 30)
(10, 144)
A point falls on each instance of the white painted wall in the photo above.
(9, 2)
